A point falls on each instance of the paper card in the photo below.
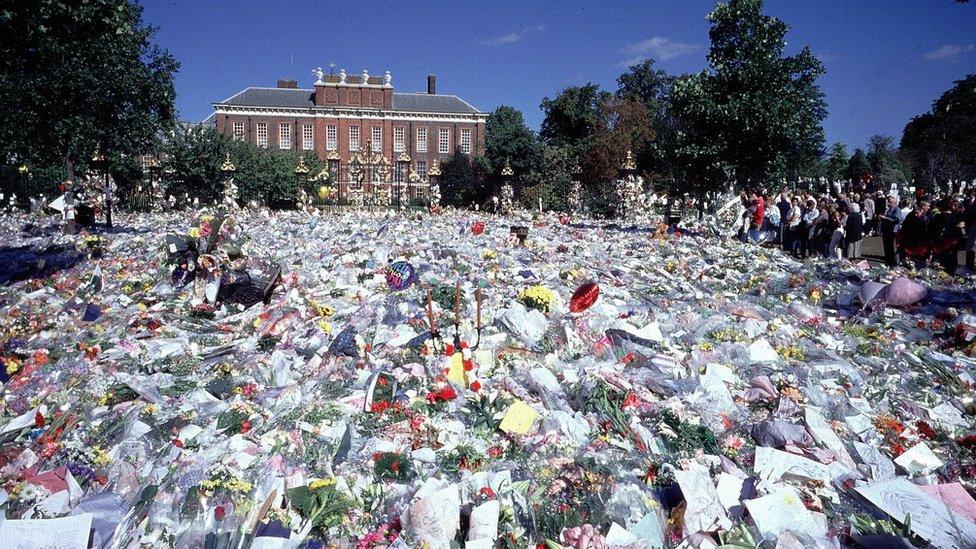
(775, 465)
(484, 521)
(618, 536)
(436, 518)
(931, 519)
(762, 351)
(825, 436)
(61, 533)
(649, 529)
(704, 511)
(882, 468)
(519, 418)
(919, 460)
(784, 511)
(729, 489)
(955, 497)
(455, 370)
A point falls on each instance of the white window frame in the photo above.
(261, 132)
(398, 139)
(443, 141)
(284, 136)
(238, 131)
(421, 140)
(308, 137)
(376, 136)
(422, 169)
(332, 138)
(354, 136)
(466, 141)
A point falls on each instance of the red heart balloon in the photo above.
(478, 227)
(584, 297)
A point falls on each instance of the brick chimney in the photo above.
(431, 84)
(291, 84)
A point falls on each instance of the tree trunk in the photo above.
(109, 199)
(69, 197)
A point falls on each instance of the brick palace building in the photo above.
(406, 132)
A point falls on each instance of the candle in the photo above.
(457, 303)
(430, 310)
(477, 297)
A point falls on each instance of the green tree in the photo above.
(653, 88)
(757, 114)
(571, 117)
(193, 156)
(858, 167)
(77, 74)
(886, 168)
(941, 144)
(551, 179)
(459, 182)
(507, 138)
(835, 165)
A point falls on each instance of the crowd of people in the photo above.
(920, 230)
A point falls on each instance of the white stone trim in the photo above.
(320, 112)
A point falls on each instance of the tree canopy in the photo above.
(756, 115)
(76, 75)
(941, 144)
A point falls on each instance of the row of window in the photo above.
(376, 133)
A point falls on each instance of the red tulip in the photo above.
(584, 297)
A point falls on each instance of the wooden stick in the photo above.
(477, 297)
(430, 310)
(457, 303)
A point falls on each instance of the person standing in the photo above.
(970, 219)
(888, 225)
(913, 237)
(868, 214)
(853, 232)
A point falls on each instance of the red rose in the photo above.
(219, 512)
(449, 350)
(468, 365)
(246, 426)
(487, 492)
(630, 400)
(178, 443)
(448, 393)
(476, 386)
(38, 419)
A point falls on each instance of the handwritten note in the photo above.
(931, 519)
(60, 533)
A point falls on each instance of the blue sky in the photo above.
(886, 60)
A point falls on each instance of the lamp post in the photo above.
(434, 173)
(301, 173)
(227, 169)
(99, 165)
(155, 185)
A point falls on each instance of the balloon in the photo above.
(400, 275)
(564, 219)
(584, 297)
(478, 227)
(902, 292)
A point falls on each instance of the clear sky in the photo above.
(886, 60)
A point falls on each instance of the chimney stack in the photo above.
(431, 84)
(291, 84)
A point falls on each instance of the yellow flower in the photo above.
(325, 326)
(237, 485)
(322, 483)
(101, 457)
(538, 297)
(150, 409)
(489, 254)
(194, 232)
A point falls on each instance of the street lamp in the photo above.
(301, 173)
(155, 185)
(227, 169)
(402, 165)
(99, 164)
(434, 172)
